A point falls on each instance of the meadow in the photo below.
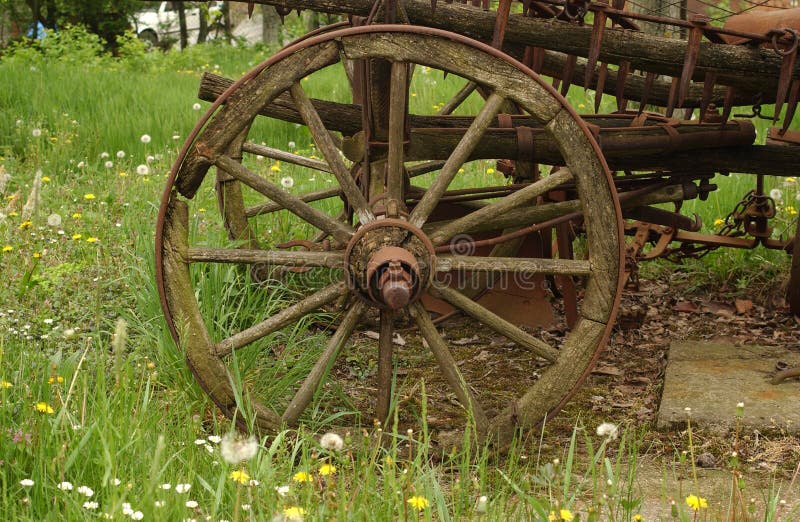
(99, 416)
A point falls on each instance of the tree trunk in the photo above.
(202, 32)
(270, 26)
(182, 23)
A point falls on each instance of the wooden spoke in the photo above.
(283, 318)
(519, 265)
(267, 208)
(460, 154)
(385, 366)
(423, 168)
(338, 230)
(288, 157)
(448, 366)
(323, 364)
(495, 322)
(272, 257)
(397, 120)
(522, 197)
(459, 98)
(328, 149)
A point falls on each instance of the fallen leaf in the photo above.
(743, 306)
(607, 370)
(467, 340)
(686, 306)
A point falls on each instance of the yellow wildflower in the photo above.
(53, 139)
(294, 513)
(637, 518)
(43, 407)
(123, 174)
(8, 248)
(24, 225)
(790, 210)
(563, 514)
(201, 209)
(5, 384)
(301, 476)
(57, 379)
(490, 170)
(327, 469)
(696, 503)
(719, 222)
(418, 503)
(91, 239)
(791, 179)
(77, 215)
(45, 179)
(13, 213)
(88, 196)
(76, 236)
(37, 255)
(239, 476)
(275, 168)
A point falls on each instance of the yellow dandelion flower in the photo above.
(53, 139)
(88, 196)
(55, 380)
(301, 476)
(327, 469)
(5, 384)
(76, 236)
(91, 239)
(239, 476)
(275, 168)
(77, 215)
(719, 222)
(696, 503)
(294, 513)
(43, 407)
(581, 106)
(790, 179)
(12, 196)
(637, 518)
(490, 170)
(790, 210)
(13, 213)
(45, 179)
(566, 515)
(418, 503)
(8, 248)
(201, 210)
(389, 461)
(37, 255)
(24, 225)
(123, 174)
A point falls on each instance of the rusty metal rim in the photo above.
(394, 28)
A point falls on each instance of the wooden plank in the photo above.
(272, 257)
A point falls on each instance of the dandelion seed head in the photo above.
(54, 220)
(142, 170)
(196, 106)
(287, 182)
(36, 132)
(331, 442)
(120, 154)
(26, 483)
(235, 450)
(108, 164)
(145, 138)
(608, 430)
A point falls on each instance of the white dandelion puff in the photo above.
(776, 194)
(54, 220)
(331, 442)
(292, 145)
(108, 164)
(64, 486)
(235, 450)
(26, 483)
(196, 106)
(36, 132)
(137, 515)
(81, 164)
(145, 138)
(480, 505)
(287, 182)
(282, 490)
(608, 430)
(120, 154)
(142, 170)
(104, 155)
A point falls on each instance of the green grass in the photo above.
(120, 413)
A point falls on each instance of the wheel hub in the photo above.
(389, 263)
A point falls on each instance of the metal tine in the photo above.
(687, 113)
(785, 76)
(673, 91)
(500, 23)
(569, 70)
(601, 84)
(727, 104)
(598, 26)
(791, 107)
(692, 50)
(250, 7)
(708, 90)
(649, 78)
(622, 77)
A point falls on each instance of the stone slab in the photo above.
(712, 377)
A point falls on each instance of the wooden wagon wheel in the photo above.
(381, 262)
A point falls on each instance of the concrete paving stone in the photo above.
(712, 377)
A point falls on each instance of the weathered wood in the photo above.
(285, 317)
(288, 157)
(266, 208)
(187, 322)
(323, 140)
(460, 153)
(449, 367)
(314, 378)
(243, 105)
(747, 68)
(494, 321)
(793, 291)
(272, 257)
(397, 123)
(295, 205)
(525, 196)
(574, 267)
(385, 366)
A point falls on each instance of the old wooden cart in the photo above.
(409, 233)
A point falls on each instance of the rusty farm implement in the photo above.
(395, 233)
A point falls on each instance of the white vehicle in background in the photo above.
(158, 23)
